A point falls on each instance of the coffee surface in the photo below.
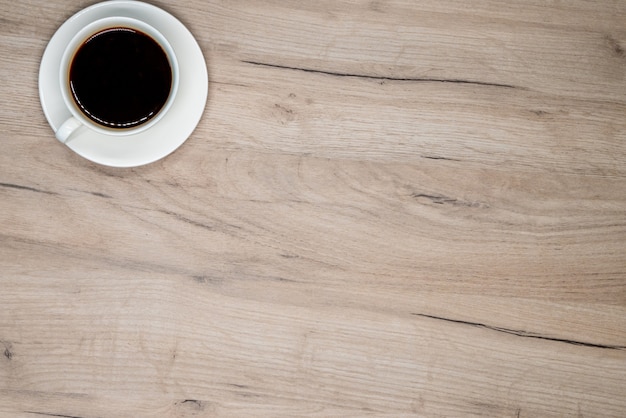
(120, 78)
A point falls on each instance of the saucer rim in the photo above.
(168, 140)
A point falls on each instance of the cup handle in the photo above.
(65, 130)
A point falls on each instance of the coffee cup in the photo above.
(118, 76)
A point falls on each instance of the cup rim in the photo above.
(97, 26)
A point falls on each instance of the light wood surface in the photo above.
(389, 208)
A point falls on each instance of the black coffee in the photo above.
(120, 78)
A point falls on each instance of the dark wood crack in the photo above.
(106, 196)
(436, 157)
(384, 78)
(188, 221)
(8, 350)
(30, 189)
(193, 401)
(443, 200)
(524, 334)
(52, 415)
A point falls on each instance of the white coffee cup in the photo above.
(77, 118)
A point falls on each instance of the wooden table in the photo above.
(400, 208)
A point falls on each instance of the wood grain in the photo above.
(389, 208)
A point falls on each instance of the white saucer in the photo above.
(177, 124)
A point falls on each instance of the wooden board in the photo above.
(389, 208)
